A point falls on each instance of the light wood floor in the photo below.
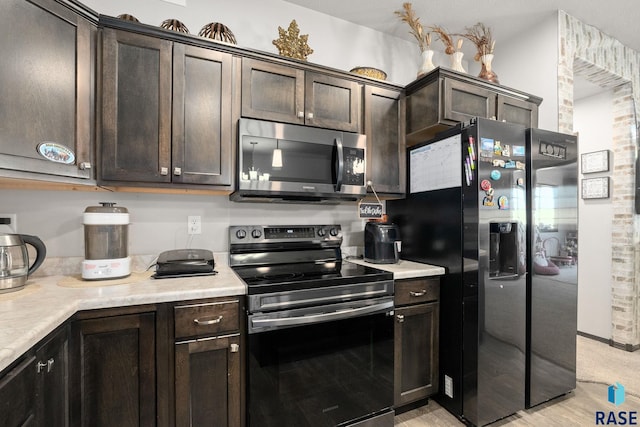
(598, 366)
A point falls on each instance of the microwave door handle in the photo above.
(340, 169)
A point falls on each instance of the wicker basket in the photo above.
(174, 25)
(128, 17)
(370, 72)
(218, 31)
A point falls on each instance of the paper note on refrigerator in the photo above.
(436, 166)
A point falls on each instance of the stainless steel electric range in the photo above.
(320, 330)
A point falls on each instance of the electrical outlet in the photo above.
(8, 223)
(194, 224)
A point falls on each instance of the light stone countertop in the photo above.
(30, 314)
(404, 269)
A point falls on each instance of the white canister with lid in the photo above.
(106, 235)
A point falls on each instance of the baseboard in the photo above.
(611, 342)
(595, 337)
(625, 347)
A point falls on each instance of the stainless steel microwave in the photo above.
(285, 162)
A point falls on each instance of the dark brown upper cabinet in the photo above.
(283, 93)
(46, 87)
(443, 98)
(166, 112)
(384, 125)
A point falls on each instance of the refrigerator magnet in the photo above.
(503, 202)
(495, 175)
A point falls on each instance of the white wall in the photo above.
(593, 119)
(529, 63)
(159, 221)
(336, 43)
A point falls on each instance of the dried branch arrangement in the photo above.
(447, 40)
(481, 36)
(408, 15)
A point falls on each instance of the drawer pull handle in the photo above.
(418, 294)
(400, 318)
(207, 322)
(235, 348)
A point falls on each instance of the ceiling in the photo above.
(505, 17)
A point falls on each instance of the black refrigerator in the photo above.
(469, 208)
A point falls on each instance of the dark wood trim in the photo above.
(447, 73)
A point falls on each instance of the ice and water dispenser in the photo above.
(504, 249)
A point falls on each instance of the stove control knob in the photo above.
(334, 232)
(322, 232)
(241, 234)
(256, 234)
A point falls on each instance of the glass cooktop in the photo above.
(287, 277)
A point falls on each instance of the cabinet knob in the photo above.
(164, 171)
(400, 318)
(310, 116)
(301, 114)
(234, 348)
(177, 171)
(84, 165)
(41, 365)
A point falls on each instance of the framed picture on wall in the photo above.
(595, 188)
(597, 161)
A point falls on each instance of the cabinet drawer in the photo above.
(206, 319)
(413, 291)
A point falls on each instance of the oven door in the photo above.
(329, 366)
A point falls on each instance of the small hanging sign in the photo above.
(370, 210)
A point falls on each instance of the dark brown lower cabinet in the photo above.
(52, 368)
(416, 341)
(113, 382)
(207, 382)
(17, 395)
(35, 391)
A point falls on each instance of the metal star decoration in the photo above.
(292, 44)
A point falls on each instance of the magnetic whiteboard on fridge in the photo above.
(436, 166)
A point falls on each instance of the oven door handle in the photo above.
(321, 317)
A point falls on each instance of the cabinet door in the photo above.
(207, 378)
(136, 108)
(53, 388)
(462, 101)
(17, 395)
(114, 380)
(201, 142)
(517, 111)
(332, 102)
(416, 353)
(384, 127)
(45, 87)
(272, 92)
